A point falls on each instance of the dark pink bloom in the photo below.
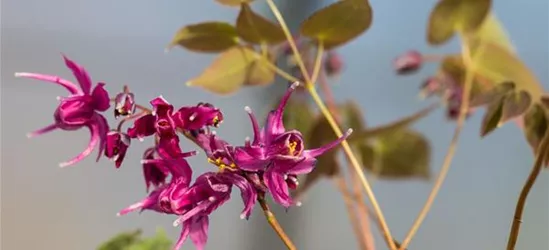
(155, 171)
(159, 122)
(124, 103)
(279, 153)
(408, 62)
(199, 116)
(117, 144)
(333, 64)
(80, 109)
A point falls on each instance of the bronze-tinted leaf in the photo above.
(491, 31)
(352, 116)
(257, 29)
(449, 16)
(491, 118)
(339, 22)
(493, 94)
(260, 73)
(453, 69)
(535, 125)
(391, 127)
(206, 37)
(401, 154)
(327, 164)
(515, 104)
(228, 72)
(233, 3)
(500, 65)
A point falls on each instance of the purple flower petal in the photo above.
(255, 126)
(80, 74)
(43, 130)
(199, 231)
(274, 125)
(142, 127)
(101, 100)
(103, 126)
(313, 153)
(278, 188)
(54, 79)
(148, 203)
(95, 133)
(247, 192)
(250, 158)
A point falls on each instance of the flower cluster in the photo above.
(269, 163)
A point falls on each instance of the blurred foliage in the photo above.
(133, 240)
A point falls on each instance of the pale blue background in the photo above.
(44, 207)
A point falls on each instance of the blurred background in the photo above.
(122, 42)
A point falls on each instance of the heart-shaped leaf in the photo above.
(535, 125)
(491, 118)
(492, 95)
(206, 37)
(233, 3)
(352, 116)
(228, 72)
(338, 23)
(515, 104)
(449, 16)
(256, 29)
(401, 154)
(391, 127)
(500, 65)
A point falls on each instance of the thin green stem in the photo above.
(521, 203)
(464, 108)
(274, 223)
(346, 147)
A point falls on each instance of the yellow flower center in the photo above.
(291, 147)
(222, 166)
(215, 120)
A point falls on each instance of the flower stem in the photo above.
(129, 118)
(346, 147)
(517, 218)
(274, 223)
(464, 108)
(359, 219)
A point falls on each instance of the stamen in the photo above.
(295, 85)
(192, 117)
(248, 109)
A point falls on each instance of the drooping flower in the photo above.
(199, 116)
(155, 172)
(80, 109)
(279, 153)
(124, 103)
(117, 144)
(408, 62)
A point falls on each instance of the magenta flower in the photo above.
(124, 103)
(117, 144)
(199, 116)
(80, 109)
(408, 62)
(159, 122)
(279, 153)
(155, 172)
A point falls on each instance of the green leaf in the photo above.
(299, 115)
(492, 95)
(338, 23)
(121, 241)
(158, 242)
(260, 73)
(449, 16)
(401, 154)
(515, 104)
(491, 118)
(535, 125)
(327, 165)
(233, 3)
(229, 71)
(500, 65)
(492, 31)
(391, 127)
(206, 37)
(257, 29)
(352, 116)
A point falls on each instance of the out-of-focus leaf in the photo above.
(158, 242)
(257, 29)
(233, 3)
(452, 67)
(260, 73)
(327, 165)
(352, 116)
(449, 16)
(400, 154)
(491, 118)
(121, 241)
(229, 71)
(339, 22)
(206, 37)
(492, 95)
(391, 127)
(515, 104)
(500, 65)
(535, 125)
(492, 31)
(299, 115)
